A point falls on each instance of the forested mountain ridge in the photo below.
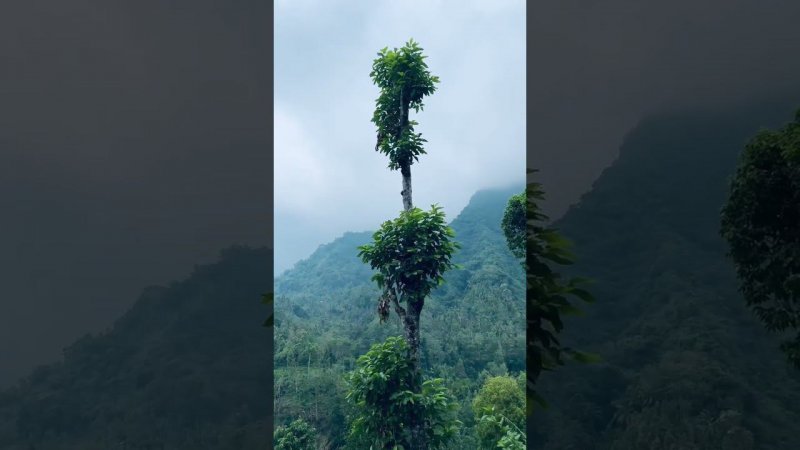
(685, 364)
(473, 325)
(182, 369)
(186, 367)
(336, 264)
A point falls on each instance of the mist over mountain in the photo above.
(186, 367)
(685, 365)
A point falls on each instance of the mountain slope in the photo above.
(685, 364)
(325, 311)
(336, 265)
(186, 367)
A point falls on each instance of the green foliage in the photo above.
(403, 78)
(500, 409)
(549, 296)
(761, 222)
(515, 224)
(320, 299)
(298, 435)
(411, 254)
(511, 436)
(381, 389)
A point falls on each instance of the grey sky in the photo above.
(328, 178)
(598, 67)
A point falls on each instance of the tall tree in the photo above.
(500, 409)
(548, 294)
(412, 252)
(761, 222)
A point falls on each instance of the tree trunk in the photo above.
(411, 329)
(411, 322)
(405, 169)
(414, 306)
(406, 192)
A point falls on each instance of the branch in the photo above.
(378, 143)
(398, 309)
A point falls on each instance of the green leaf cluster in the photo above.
(500, 409)
(511, 437)
(549, 295)
(298, 435)
(411, 253)
(404, 79)
(380, 390)
(514, 225)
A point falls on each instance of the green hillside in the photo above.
(325, 313)
(686, 366)
(186, 368)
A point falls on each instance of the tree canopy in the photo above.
(761, 222)
(404, 80)
(411, 254)
(500, 409)
(549, 295)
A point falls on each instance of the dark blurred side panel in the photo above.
(135, 224)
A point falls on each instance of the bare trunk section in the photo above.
(411, 327)
(410, 319)
(406, 192)
(405, 169)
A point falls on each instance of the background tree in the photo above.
(761, 222)
(548, 294)
(298, 435)
(412, 252)
(500, 409)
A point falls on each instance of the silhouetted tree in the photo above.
(548, 294)
(761, 222)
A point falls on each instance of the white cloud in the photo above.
(297, 158)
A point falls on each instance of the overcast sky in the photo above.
(328, 178)
(598, 67)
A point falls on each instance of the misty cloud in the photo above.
(600, 67)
